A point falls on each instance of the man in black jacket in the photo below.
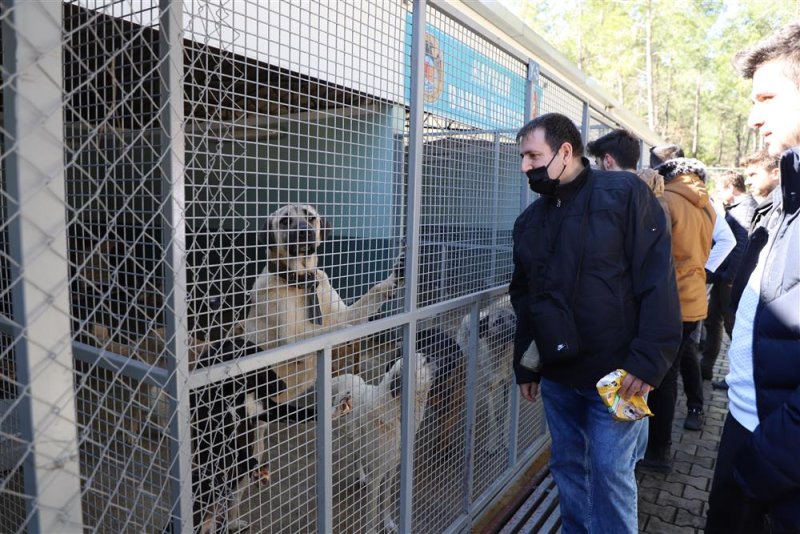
(597, 242)
(756, 486)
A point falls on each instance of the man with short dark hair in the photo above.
(756, 486)
(739, 207)
(592, 261)
(762, 177)
(617, 150)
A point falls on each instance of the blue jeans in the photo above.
(592, 461)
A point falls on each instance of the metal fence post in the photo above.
(324, 442)
(585, 123)
(513, 432)
(415, 155)
(34, 175)
(495, 209)
(641, 154)
(530, 82)
(174, 239)
(471, 412)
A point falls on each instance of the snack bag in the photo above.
(620, 409)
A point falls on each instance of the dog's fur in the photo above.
(229, 424)
(447, 399)
(282, 299)
(495, 348)
(371, 433)
(281, 310)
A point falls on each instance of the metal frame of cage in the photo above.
(54, 361)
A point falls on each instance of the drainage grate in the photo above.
(539, 513)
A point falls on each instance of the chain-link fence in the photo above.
(254, 263)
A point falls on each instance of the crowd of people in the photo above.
(617, 269)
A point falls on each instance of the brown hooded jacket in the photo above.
(692, 217)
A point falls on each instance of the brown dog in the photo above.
(292, 299)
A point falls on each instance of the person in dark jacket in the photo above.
(756, 486)
(598, 241)
(739, 208)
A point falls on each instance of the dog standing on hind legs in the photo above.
(291, 300)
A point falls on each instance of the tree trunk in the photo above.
(665, 127)
(747, 141)
(696, 122)
(580, 37)
(720, 137)
(648, 56)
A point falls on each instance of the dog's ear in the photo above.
(265, 235)
(325, 228)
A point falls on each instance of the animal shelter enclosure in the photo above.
(254, 259)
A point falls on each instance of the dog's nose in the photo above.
(301, 233)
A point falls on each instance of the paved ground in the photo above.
(677, 502)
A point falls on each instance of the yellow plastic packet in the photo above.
(620, 409)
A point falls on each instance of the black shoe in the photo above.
(719, 384)
(694, 419)
(658, 461)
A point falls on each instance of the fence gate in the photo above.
(253, 265)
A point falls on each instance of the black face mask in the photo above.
(540, 182)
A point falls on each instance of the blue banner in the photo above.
(467, 86)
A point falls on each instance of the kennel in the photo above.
(146, 145)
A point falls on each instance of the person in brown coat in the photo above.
(692, 219)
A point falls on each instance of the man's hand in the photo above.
(529, 391)
(632, 386)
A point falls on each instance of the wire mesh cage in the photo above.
(242, 286)
(599, 126)
(558, 99)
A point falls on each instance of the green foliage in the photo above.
(692, 43)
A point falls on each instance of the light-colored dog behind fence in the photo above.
(495, 352)
(371, 434)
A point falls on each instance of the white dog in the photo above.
(292, 299)
(496, 327)
(372, 431)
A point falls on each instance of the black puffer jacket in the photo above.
(768, 468)
(627, 309)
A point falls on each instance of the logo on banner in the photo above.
(434, 69)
